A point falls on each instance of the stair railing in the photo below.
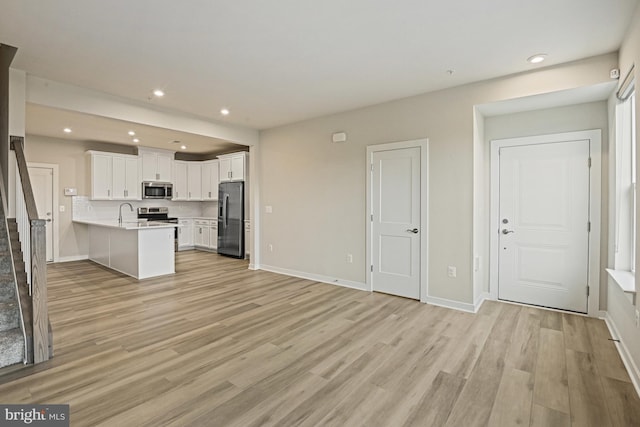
(32, 231)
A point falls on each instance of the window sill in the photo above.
(626, 280)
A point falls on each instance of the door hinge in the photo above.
(589, 227)
(589, 162)
(371, 167)
(372, 268)
(371, 217)
(587, 291)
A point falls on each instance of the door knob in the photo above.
(414, 230)
(505, 231)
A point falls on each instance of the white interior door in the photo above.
(42, 183)
(543, 224)
(396, 229)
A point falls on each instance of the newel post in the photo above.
(39, 291)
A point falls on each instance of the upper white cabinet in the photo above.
(180, 175)
(126, 178)
(210, 180)
(233, 166)
(194, 181)
(187, 180)
(100, 166)
(113, 176)
(156, 164)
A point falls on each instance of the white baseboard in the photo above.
(253, 267)
(480, 300)
(72, 258)
(447, 303)
(632, 369)
(314, 277)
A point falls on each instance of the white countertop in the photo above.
(127, 225)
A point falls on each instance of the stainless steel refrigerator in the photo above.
(231, 219)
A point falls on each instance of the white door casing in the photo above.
(397, 217)
(44, 179)
(544, 217)
(547, 189)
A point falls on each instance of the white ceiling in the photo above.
(283, 61)
(50, 122)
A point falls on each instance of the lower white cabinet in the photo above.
(213, 235)
(201, 233)
(185, 234)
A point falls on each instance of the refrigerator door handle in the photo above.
(226, 208)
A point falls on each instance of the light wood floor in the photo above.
(218, 345)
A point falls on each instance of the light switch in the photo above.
(61, 208)
(268, 209)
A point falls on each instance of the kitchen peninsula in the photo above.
(140, 249)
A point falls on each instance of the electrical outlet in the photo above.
(62, 208)
(452, 271)
(270, 247)
(350, 258)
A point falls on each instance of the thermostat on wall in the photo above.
(70, 191)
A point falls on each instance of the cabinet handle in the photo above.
(200, 230)
(157, 176)
(229, 174)
(209, 194)
(189, 194)
(126, 193)
(109, 193)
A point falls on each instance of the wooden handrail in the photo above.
(17, 145)
(38, 255)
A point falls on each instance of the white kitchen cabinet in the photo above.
(126, 179)
(185, 234)
(194, 181)
(113, 176)
(180, 176)
(201, 233)
(210, 180)
(100, 176)
(156, 165)
(213, 235)
(232, 166)
(187, 180)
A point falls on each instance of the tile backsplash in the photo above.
(84, 208)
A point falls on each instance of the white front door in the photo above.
(543, 256)
(395, 222)
(42, 184)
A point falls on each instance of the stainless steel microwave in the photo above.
(157, 190)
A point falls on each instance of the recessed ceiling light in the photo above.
(537, 58)
(136, 140)
(184, 147)
(131, 133)
(66, 130)
(159, 93)
(225, 111)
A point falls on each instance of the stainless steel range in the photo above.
(159, 214)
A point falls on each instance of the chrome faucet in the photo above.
(120, 211)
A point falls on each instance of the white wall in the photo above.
(317, 188)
